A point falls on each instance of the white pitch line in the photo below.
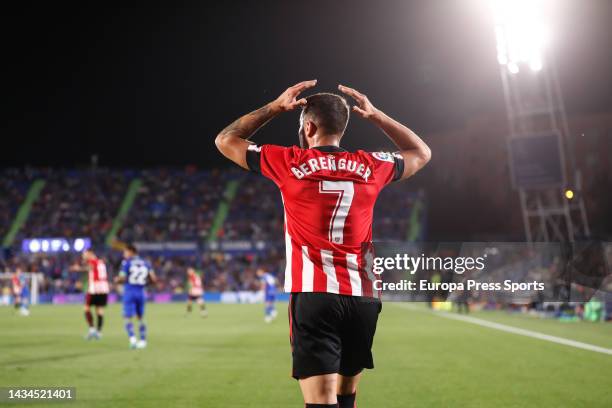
(522, 332)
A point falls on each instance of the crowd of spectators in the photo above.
(171, 205)
(175, 205)
(256, 213)
(14, 185)
(392, 212)
(76, 203)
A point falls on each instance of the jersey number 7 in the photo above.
(345, 192)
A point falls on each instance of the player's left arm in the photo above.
(233, 142)
(123, 271)
(78, 267)
(412, 148)
(16, 287)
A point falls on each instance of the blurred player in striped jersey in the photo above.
(195, 292)
(21, 292)
(135, 273)
(268, 286)
(328, 195)
(97, 291)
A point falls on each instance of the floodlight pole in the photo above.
(534, 104)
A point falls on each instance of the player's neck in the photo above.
(325, 140)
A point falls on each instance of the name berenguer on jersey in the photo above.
(311, 166)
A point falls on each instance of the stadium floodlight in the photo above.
(520, 33)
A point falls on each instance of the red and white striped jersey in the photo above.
(17, 284)
(328, 195)
(195, 285)
(97, 277)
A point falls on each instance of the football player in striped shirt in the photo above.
(195, 292)
(328, 195)
(97, 291)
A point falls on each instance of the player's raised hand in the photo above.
(364, 107)
(288, 101)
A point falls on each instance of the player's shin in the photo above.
(129, 328)
(89, 318)
(142, 329)
(100, 322)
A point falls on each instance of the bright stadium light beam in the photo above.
(520, 33)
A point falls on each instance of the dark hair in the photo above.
(131, 248)
(329, 111)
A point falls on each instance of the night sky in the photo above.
(153, 85)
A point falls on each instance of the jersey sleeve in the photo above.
(388, 166)
(269, 160)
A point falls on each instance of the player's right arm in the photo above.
(233, 142)
(152, 276)
(412, 148)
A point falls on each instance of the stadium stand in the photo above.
(76, 203)
(256, 212)
(14, 185)
(174, 205)
(171, 205)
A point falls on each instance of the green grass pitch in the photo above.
(234, 359)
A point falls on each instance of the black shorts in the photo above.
(331, 333)
(194, 297)
(96, 299)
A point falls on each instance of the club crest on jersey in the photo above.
(383, 156)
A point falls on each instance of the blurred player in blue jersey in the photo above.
(268, 285)
(21, 293)
(135, 272)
